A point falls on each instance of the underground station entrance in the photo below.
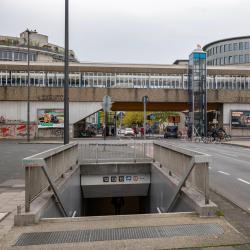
(117, 189)
(113, 195)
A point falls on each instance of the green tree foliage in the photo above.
(162, 116)
(132, 118)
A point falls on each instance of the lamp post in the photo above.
(144, 100)
(28, 97)
(66, 75)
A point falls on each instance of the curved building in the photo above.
(15, 49)
(235, 50)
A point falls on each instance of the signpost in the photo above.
(144, 100)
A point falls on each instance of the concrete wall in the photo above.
(44, 58)
(227, 108)
(177, 160)
(18, 130)
(91, 94)
(94, 187)
(161, 191)
(17, 110)
(71, 196)
(14, 115)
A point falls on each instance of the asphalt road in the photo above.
(11, 155)
(229, 171)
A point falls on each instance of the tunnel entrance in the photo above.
(114, 206)
(103, 189)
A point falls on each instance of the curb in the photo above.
(41, 142)
(237, 145)
(233, 202)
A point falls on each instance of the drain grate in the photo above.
(58, 237)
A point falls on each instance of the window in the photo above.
(6, 55)
(235, 46)
(230, 46)
(213, 51)
(226, 60)
(241, 59)
(221, 49)
(226, 47)
(221, 60)
(241, 46)
(246, 45)
(236, 59)
(217, 49)
(230, 60)
(246, 58)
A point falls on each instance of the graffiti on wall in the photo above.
(51, 98)
(58, 132)
(16, 130)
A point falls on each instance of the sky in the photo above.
(129, 31)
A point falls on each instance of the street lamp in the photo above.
(28, 97)
(66, 75)
(144, 100)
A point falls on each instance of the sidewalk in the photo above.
(231, 239)
(8, 207)
(240, 143)
(126, 232)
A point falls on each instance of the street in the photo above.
(12, 153)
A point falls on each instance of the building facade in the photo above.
(230, 51)
(15, 49)
(166, 85)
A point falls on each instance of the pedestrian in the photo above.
(142, 131)
(117, 202)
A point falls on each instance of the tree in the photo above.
(162, 116)
(132, 118)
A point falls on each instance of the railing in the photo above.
(115, 151)
(119, 80)
(56, 161)
(187, 165)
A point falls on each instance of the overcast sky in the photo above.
(129, 31)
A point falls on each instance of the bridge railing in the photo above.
(119, 80)
(57, 162)
(115, 151)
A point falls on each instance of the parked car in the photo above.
(171, 131)
(129, 131)
(121, 131)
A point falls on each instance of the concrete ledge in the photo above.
(198, 156)
(192, 196)
(51, 152)
(41, 203)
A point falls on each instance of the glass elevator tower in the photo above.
(197, 88)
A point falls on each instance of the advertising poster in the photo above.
(240, 119)
(50, 118)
